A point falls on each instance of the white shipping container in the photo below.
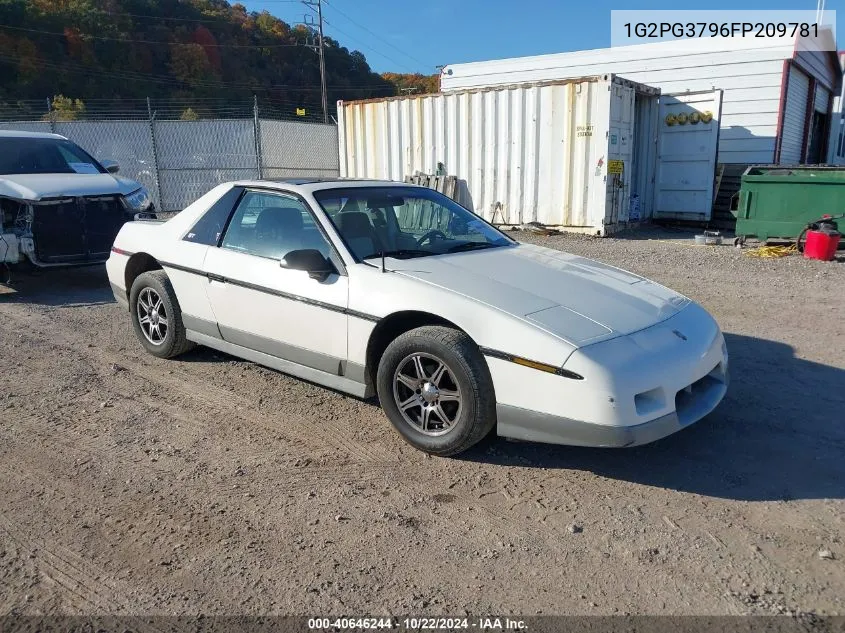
(548, 152)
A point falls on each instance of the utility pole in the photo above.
(309, 22)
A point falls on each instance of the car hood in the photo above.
(41, 186)
(578, 299)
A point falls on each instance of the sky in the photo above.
(404, 36)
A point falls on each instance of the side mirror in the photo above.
(311, 261)
(111, 166)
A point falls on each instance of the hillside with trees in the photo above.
(407, 83)
(202, 55)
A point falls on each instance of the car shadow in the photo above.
(779, 434)
(69, 287)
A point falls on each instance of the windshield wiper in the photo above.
(470, 246)
(402, 253)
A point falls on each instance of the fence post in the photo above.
(156, 171)
(51, 116)
(256, 128)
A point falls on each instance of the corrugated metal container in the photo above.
(530, 152)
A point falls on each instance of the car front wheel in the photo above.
(156, 316)
(435, 388)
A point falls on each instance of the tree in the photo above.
(209, 49)
(413, 83)
(65, 109)
(189, 63)
(189, 114)
(205, 38)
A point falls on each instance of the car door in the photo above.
(687, 153)
(261, 305)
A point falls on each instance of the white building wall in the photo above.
(749, 71)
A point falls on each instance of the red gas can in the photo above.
(821, 244)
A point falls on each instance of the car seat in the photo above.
(278, 230)
(358, 233)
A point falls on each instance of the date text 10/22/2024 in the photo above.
(417, 624)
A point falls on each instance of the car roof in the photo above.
(308, 181)
(310, 185)
(27, 134)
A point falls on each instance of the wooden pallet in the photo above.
(447, 185)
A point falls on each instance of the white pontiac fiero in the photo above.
(381, 287)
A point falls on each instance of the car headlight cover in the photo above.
(138, 200)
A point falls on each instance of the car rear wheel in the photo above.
(435, 388)
(156, 316)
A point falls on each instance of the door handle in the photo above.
(213, 277)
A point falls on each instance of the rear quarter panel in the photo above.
(163, 242)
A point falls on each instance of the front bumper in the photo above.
(635, 389)
(533, 426)
(70, 231)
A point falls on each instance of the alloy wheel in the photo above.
(152, 316)
(427, 394)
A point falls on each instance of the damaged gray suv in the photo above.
(58, 205)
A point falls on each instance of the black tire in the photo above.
(466, 370)
(173, 341)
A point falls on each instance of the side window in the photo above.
(271, 225)
(209, 228)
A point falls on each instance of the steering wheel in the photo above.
(431, 235)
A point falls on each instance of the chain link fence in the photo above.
(286, 149)
(178, 161)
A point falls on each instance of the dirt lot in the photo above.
(132, 485)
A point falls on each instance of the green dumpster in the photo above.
(777, 202)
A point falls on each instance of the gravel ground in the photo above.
(132, 485)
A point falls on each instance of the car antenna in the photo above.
(382, 260)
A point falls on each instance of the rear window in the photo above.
(22, 155)
(209, 228)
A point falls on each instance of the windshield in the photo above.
(32, 155)
(405, 222)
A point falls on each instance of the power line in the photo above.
(205, 19)
(310, 4)
(165, 79)
(235, 46)
(368, 47)
(116, 39)
(163, 100)
(361, 26)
